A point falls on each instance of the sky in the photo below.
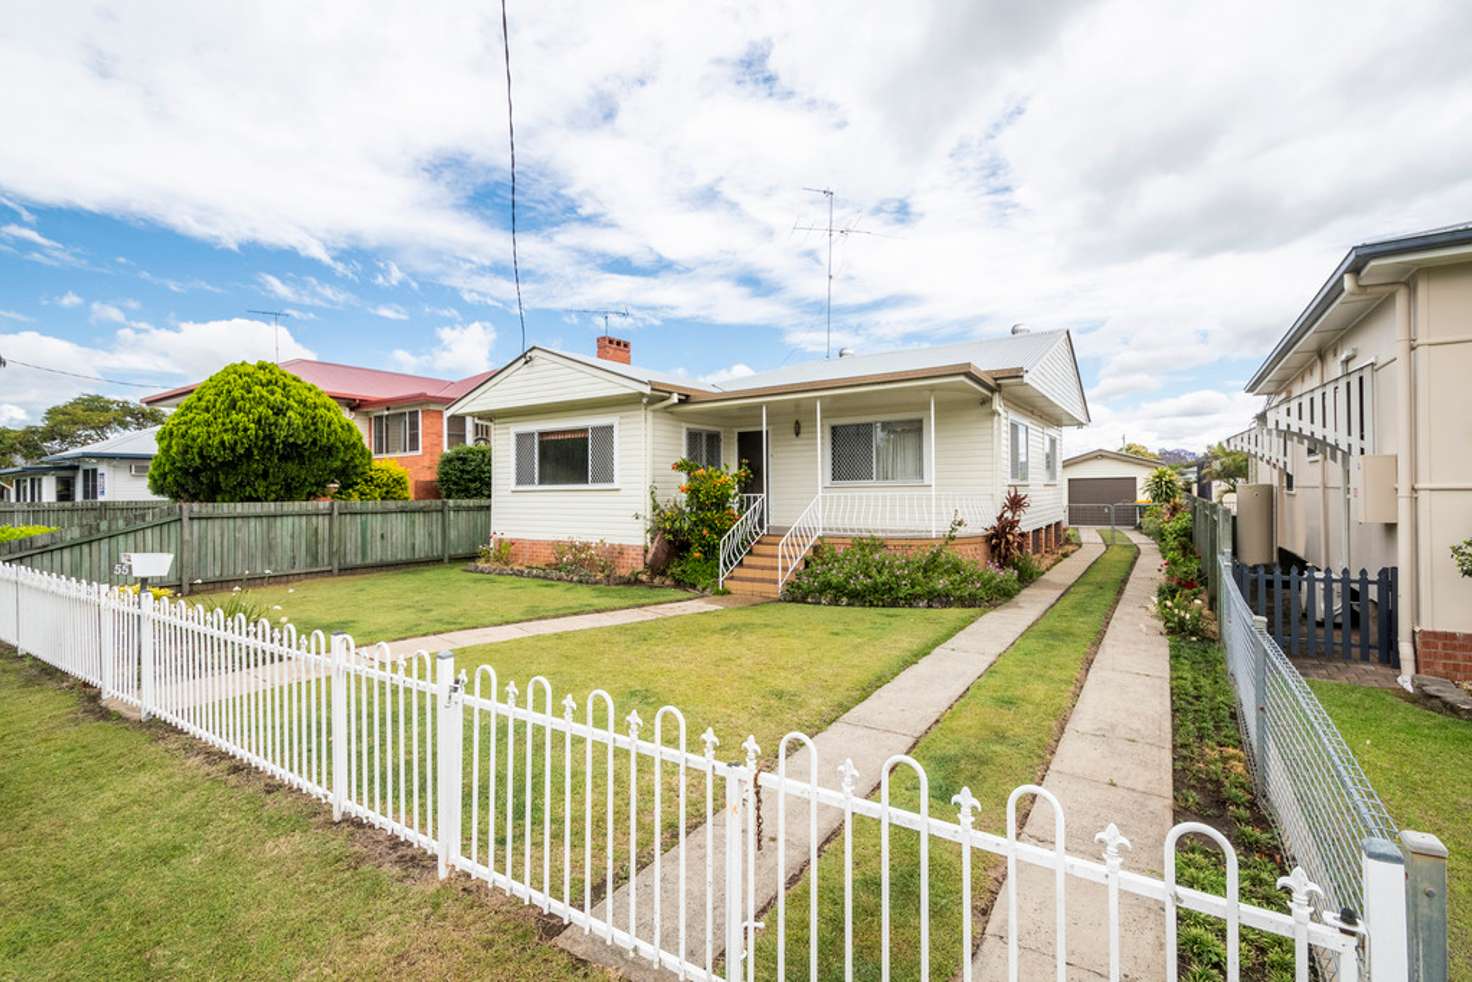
(1171, 182)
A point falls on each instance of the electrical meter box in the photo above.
(1373, 488)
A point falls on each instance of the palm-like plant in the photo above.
(1005, 536)
(1163, 485)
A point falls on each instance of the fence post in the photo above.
(445, 526)
(339, 687)
(105, 640)
(1425, 905)
(145, 653)
(1260, 692)
(185, 567)
(332, 535)
(448, 746)
(735, 941)
(1384, 872)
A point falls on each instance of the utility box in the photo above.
(1256, 545)
(1373, 488)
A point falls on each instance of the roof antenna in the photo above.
(605, 314)
(829, 194)
(275, 316)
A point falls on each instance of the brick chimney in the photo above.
(614, 349)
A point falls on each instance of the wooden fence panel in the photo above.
(1316, 613)
(217, 544)
(69, 514)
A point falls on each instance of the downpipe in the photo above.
(1405, 468)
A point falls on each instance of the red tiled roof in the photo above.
(362, 385)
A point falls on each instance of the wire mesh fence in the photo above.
(1317, 795)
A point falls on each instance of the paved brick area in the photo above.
(1374, 675)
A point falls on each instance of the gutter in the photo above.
(1405, 465)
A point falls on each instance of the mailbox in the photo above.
(149, 565)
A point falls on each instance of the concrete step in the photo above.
(742, 575)
(747, 588)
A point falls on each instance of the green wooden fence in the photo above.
(231, 543)
(80, 514)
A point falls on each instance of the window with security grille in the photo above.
(886, 451)
(703, 447)
(396, 433)
(572, 456)
(1019, 438)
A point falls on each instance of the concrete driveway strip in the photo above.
(888, 722)
(1113, 764)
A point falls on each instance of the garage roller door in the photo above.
(1089, 498)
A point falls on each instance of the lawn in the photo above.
(1418, 762)
(407, 603)
(131, 852)
(998, 735)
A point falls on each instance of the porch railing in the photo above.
(908, 513)
(738, 540)
(799, 539)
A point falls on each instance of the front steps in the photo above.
(757, 574)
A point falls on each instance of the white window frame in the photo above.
(927, 467)
(418, 429)
(99, 489)
(685, 440)
(1024, 458)
(484, 431)
(1050, 458)
(572, 424)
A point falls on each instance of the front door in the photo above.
(749, 452)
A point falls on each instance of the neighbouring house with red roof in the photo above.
(402, 417)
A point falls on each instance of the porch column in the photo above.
(818, 493)
(766, 479)
(932, 466)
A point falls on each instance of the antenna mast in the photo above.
(829, 194)
(605, 314)
(275, 316)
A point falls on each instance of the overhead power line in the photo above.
(511, 134)
(4, 362)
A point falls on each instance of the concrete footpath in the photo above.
(888, 722)
(558, 625)
(1113, 764)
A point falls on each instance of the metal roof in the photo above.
(363, 385)
(133, 445)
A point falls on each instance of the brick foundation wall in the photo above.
(539, 552)
(972, 547)
(1445, 654)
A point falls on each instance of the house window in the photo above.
(884, 451)
(703, 447)
(93, 484)
(454, 431)
(457, 427)
(1288, 481)
(1051, 461)
(569, 457)
(482, 433)
(396, 433)
(1020, 436)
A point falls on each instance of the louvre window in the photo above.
(703, 447)
(454, 431)
(396, 433)
(1019, 440)
(1051, 464)
(582, 455)
(889, 451)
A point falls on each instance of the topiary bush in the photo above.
(465, 472)
(384, 480)
(253, 432)
(866, 574)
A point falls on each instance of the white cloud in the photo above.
(67, 299)
(107, 313)
(11, 413)
(735, 371)
(389, 274)
(449, 312)
(19, 209)
(11, 315)
(461, 349)
(306, 290)
(29, 244)
(392, 311)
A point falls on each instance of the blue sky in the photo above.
(1170, 185)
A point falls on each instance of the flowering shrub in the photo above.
(497, 552)
(695, 525)
(1184, 614)
(576, 557)
(1461, 555)
(1181, 598)
(868, 575)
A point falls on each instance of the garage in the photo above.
(1089, 498)
(1099, 478)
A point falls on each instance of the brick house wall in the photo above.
(1445, 654)
(540, 552)
(423, 467)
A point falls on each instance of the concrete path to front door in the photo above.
(1113, 764)
(888, 722)
(558, 625)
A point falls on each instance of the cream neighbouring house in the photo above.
(895, 444)
(1366, 436)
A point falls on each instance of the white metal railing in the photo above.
(1337, 416)
(738, 540)
(799, 538)
(907, 513)
(637, 843)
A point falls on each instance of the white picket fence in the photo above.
(642, 846)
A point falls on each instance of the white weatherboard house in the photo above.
(895, 444)
(115, 469)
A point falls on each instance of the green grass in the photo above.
(131, 853)
(1418, 761)
(407, 603)
(1212, 785)
(998, 735)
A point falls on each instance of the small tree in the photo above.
(1005, 536)
(1139, 450)
(1227, 466)
(252, 432)
(465, 472)
(384, 480)
(1163, 485)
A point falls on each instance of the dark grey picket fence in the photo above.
(1314, 613)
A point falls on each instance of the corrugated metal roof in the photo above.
(134, 443)
(362, 384)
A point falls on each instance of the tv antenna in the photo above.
(605, 314)
(829, 228)
(275, 316)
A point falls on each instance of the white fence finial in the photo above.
(966, 805)
(752, 750)
(709, 739)
(847, 775)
